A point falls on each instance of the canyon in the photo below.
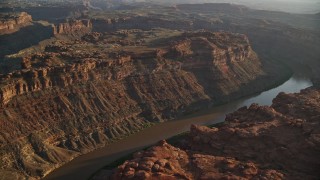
(280, 141)
(83, 78)
(76, 96)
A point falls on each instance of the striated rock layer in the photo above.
(10, 23)
(76, 96)
(259, 142)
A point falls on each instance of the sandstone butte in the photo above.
(260, 142)
(10, 23)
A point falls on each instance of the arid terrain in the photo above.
(256, 142)
(98, 93)
(74, 78)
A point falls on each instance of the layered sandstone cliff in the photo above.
(259, 142)
(10, 23)
(32, 80)
(273, 38)
(224, 57)
(80, 95)
(226, 60)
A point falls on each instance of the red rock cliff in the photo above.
(11, 23)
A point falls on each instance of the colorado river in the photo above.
(84, 166)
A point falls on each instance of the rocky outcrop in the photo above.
(165, 161)
(73, 27)
(277, 142)
(10, 23)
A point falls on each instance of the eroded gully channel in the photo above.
(84, 166)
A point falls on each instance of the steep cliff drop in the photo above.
(277, 142)
(79, 95)
(10, 23)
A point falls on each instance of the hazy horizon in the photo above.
(292, 6)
